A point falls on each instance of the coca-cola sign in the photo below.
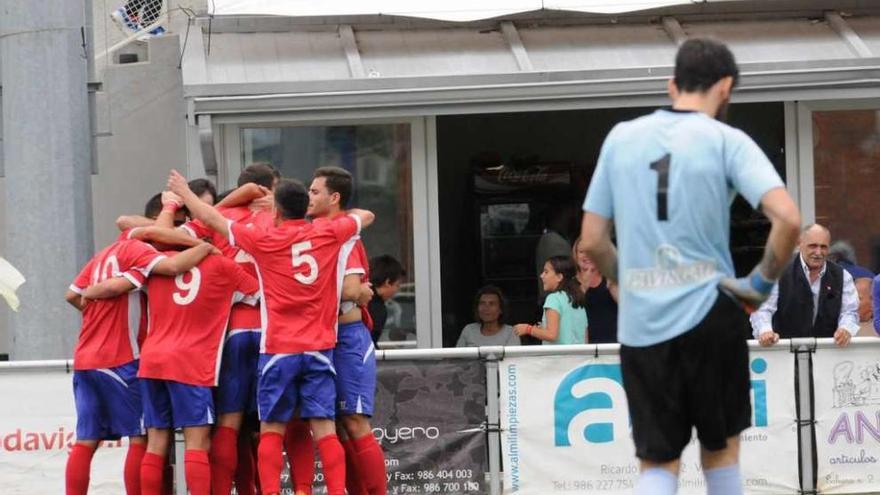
(505, 178)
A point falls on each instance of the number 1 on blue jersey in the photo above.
(661, 166)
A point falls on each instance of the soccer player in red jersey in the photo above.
(355, 354)
(298, 265)
(181, 361)
(237, 385)
(106, 395)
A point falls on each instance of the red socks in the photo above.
(224, 459)
(198, 472)
(333, 462)
(352, 480)
(300, 454)
(245, 472)
(370, 462)
(132, 472)
(269, 462)
(79, 464)
(152, 470)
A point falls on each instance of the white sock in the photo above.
(656, 481)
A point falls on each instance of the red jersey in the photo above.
(356, 264)
(110, 326)
(188, 317)
(244, 316)
(300, 267)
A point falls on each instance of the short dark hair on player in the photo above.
(702, 62)
(260, 173)
(291, 199)
(153, 206)
(502, 302)
(202, 186)
(385, 268)
(337, 180)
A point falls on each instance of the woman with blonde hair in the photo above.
(600, 298)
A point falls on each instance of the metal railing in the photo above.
(492, 355)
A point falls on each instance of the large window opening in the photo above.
(505, 179)
(379, 157)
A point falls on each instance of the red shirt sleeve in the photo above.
(136, 277)
(137, 255)
(355, 264)
(346, 227)
(245, 284)
(245, 236)
(84, 278)
(197, 229)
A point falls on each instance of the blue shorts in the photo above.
(290, 381)
(108, 403)
(355, 360)
(237, 385)
(169, 404)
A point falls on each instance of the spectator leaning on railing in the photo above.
(813, 298)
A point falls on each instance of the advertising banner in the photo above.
(37, 429)
(565, 428)
(429, 419)
(846, 384)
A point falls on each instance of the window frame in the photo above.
(423, 150)
(804, 166)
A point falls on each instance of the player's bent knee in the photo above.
(356, 425)
(273, 427)
(728, 456)
(321, 427)
(197, 437)
(231, 420)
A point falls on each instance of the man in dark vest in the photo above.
(814, 297)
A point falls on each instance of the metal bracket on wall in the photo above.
(849, 36)
(206, 144)
(511, 35)
(674, 30)
(352, 54)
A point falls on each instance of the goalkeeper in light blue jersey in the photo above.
(666, 182)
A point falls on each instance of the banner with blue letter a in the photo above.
(566, 428)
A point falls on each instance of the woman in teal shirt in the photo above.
(565, 319)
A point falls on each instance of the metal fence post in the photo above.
(494, 424)
(805, 419)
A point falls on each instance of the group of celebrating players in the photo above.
(245, 306)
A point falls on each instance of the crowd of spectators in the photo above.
(823, 292)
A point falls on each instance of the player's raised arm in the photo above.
(243, 195)
(125, 222)
(179, 263)
(170, 204)
(366, 217)
(198, 209)
(164, 237)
